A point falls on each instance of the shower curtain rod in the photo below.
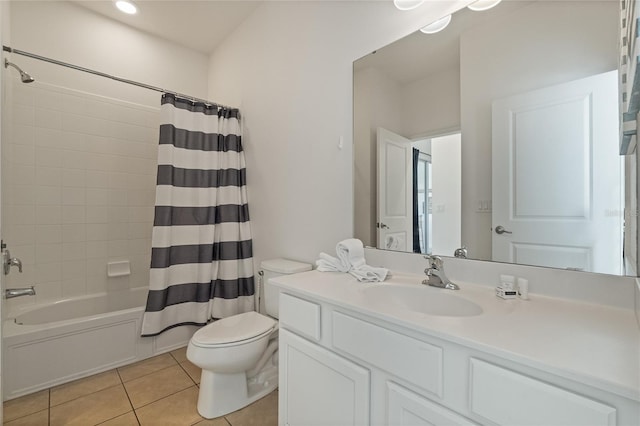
(112, 77)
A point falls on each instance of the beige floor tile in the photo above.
(177, 409)
(263, 412)
(193, 371)
(128, 419)
(82, 387)
(92, 409)
(148, 366)
(220, 421)
(180, 354)
(155, 386)
(37, 419)
(26, 405)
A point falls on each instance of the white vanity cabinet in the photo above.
(342, 367)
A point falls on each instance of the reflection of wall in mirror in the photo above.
(540, 45)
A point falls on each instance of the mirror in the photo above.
(500, 134)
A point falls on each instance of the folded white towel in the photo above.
(328, 263)
(351, 251)
(351, 259)
(370, 274)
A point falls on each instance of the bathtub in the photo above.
(50, 344)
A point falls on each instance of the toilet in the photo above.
(238, 355)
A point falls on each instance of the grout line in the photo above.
(164, 397)
(81, 396)
(49, 408)
(129, 399)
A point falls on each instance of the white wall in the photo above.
(289, 68)
(431, 105)
(447, 193)
(583, 36)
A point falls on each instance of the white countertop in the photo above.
(593, 344)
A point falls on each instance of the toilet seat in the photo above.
(241, 328)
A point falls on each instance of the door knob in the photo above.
(500, 230)
(382, 225)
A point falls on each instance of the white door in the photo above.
(318, 387)
(557, 177)
(395, 192)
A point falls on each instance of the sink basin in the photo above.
(422, 299)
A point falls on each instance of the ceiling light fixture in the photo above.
(481, 5)
(437, 26)
(407, 4)
(127, 7)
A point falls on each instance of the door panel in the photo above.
(395, 192)
(557, 177)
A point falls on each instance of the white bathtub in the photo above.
(51, 344)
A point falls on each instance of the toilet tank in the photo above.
(274, 268)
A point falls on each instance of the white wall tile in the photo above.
(73, 214)
(96, 179)
(21, 194)
(96, 214)
(74, 159)
(97, 250)
(23, 154)
(46, 272)
(96, 267)
(48, 195)
(48, 118)
(47, 253)
(97, 231)
(72, 233)
(73, 269)
(50, 176)
(96, 196)
(48, 291)
(73, 196)
(74, 177)
(24, 114)
(74, 287)
(48, 215)
(48, 138)
(23, 134)
(48, 233)
(49, 157)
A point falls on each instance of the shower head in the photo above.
(26, 78)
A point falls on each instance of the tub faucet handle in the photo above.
(8, 262)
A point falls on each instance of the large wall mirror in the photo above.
(499, 133)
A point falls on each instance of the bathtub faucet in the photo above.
(17, 292)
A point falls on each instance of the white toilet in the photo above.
(238, 355)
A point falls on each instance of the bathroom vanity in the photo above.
(401, 353)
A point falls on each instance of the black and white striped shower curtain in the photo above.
(201, 261)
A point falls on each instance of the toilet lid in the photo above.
(233, 329)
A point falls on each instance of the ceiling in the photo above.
(199, 25)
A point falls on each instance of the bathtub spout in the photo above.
(17, 292)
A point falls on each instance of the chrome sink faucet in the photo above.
(436, 276)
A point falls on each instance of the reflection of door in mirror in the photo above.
(557, 177)
(433, 180)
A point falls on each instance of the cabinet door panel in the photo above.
(409, 409)
(318, 387)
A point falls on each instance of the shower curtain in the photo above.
(201, 259)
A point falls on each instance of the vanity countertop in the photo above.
(593, 344)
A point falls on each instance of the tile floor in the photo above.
(162, 390)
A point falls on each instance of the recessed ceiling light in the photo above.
(437, 26)
(481, 5)
(407, 4)
(127, 7)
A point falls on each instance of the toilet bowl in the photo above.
(238, 354)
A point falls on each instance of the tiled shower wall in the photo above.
(78, 191)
